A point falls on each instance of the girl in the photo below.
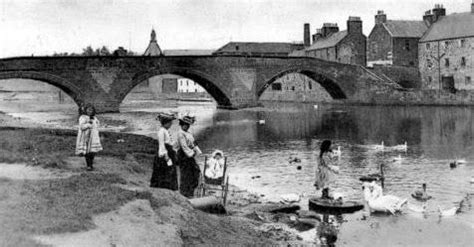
(164, 165)
(325, 171)
(88, 140)
(187, 150)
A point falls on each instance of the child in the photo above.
(215, 165)
(325, 171)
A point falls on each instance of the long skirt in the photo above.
(164, 176)
(324, 177)
(189, 174)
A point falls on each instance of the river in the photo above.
(258, 153)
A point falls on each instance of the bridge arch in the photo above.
(66, 86)
(325, 81)
(204, 80)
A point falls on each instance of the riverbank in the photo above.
(71, 202)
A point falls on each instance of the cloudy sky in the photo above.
(42, 27)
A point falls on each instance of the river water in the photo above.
(258, 153)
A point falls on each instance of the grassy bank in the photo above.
(62, 205)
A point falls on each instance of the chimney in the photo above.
(472, 7)
(354, 24)
(318, 35)
(380, 17)
(428, 18)
(329, 28)
(306, 38)
(438, 12)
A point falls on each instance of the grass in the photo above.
(58, 206)
(48, 148)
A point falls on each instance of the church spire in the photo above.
(153, 48)
(153, 35)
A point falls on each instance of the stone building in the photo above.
(395, 42)
(267, 49)
(348, 46)
(446, 53)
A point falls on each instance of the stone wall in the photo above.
(405, 52)
(433, 63)
(407, 77)
(350, 50)
(423, 97)
(295, 87)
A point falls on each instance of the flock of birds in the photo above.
(378, 202)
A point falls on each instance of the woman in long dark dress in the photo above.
(164, 165)
(187, 150)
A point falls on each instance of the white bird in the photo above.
(416, 208)
(262, 121)
(398, 159)
(472, 180)
(402, 147)
(461, 161)
(448, 212)
(379, 147)
(290, 198)
(315, 106)
(338, 151)
(377, 202)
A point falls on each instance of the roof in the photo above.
(456, 25)
(263, 47)
(329, 41)
(297, 53)
(153, 49)
(406, 29)
(188, 52)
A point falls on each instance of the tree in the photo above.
(104, 51)
(88, 51)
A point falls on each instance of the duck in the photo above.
(421, 194)
(398, 159)
(261, 121)
(337, 151)
(402, 147)
(290, 198)
(294, 160)
(448, 212)
(378, 202)
(453, 164)
(374, 176)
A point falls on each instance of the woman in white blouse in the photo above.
(164, 165)
(187, 150)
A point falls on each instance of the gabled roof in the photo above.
(456, 25)
(405, 29)
(153, 49)
(188, 52)
(329, 41)
(260, 48)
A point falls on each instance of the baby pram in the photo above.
(212, 186)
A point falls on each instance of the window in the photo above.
(236, 47)
(446, 62)
(462, 42)
(310, 86)
(468, 80)
(187, 83)
(276, 86)
(293, 88)
(407, 45)
(428, 46)
(463, 61)
(411, 63)
(446, 44)
(430, 79)
(429, 64)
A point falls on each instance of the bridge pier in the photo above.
(106, 106)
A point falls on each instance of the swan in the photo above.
(402, 147)
(338, 151)
(472, 180)
(290, 198)
(448, 212)
(262, 121)
(421, 194)
(379, 147)
(378, 202)
(461, 161)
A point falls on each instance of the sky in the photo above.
(42, 27)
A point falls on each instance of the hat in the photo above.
(166, 116)
(216, 152)
(187, 118)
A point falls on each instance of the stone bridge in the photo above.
(233, 81)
